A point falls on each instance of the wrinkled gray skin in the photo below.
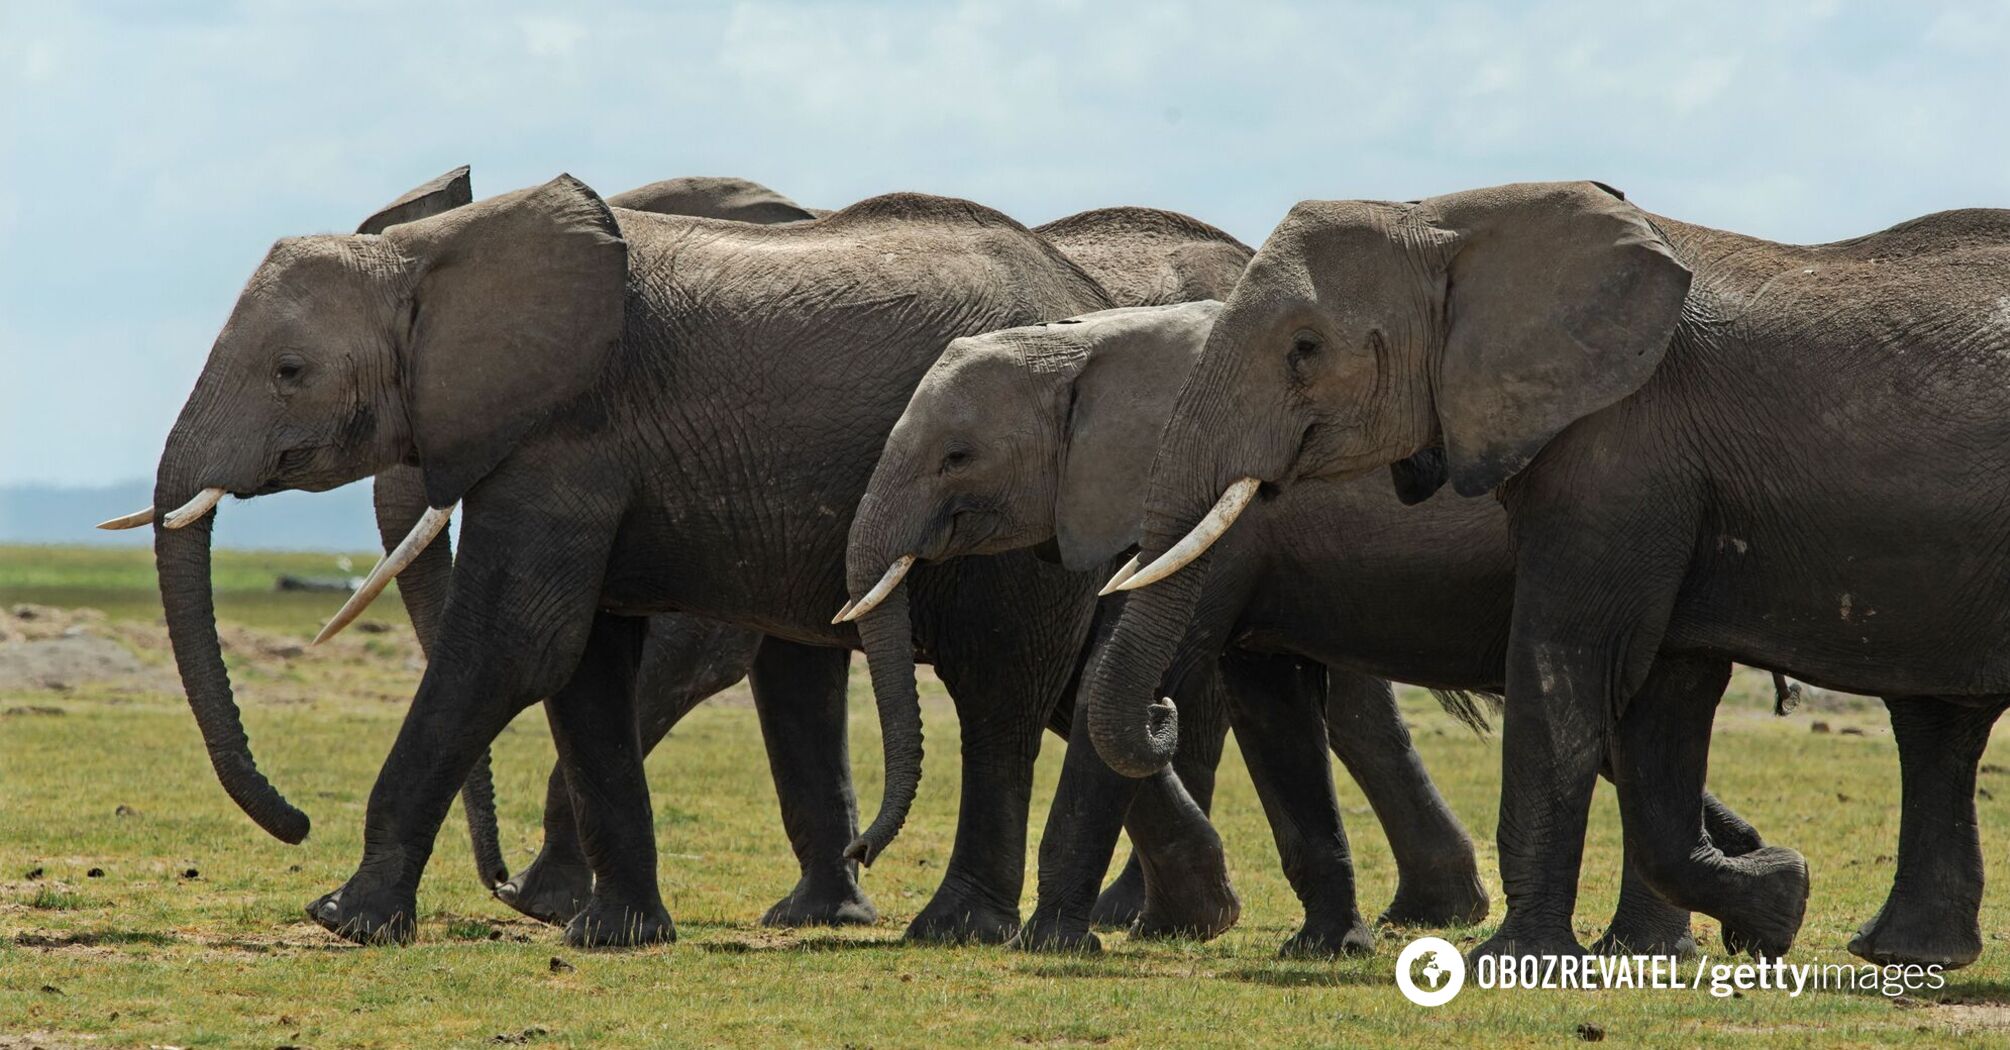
(1710, 447)
(1053, 430)
(1041, 436)
(684, 659)
(576, 380)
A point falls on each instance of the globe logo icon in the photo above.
(1430, 971)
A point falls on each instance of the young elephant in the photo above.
(615, 400)
(1044, 435)
(1710, 447)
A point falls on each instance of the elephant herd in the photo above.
(1121, 477)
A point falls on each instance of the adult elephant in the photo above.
(684, 659)
(1050, 429)
(1710, 447)
(1146, 255)
(582, 382)
(798, 690)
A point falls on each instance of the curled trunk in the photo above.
(400, 498)
(888, 636)
(1135, 728)
(181, 558)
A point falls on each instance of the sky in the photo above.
(151, 152)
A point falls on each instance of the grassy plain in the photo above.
(192, 934)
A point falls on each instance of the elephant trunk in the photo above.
(1133, 726)
(888, 637)
(181, 559)
(400, 497)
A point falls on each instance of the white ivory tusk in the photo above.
(1210, 529)
(394, 563)
(129, 521)
(843, 613)
(1129, 570)
(192, 511)
(894, 574)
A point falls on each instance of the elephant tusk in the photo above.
(843, 613)
(191, 512)
(1210, 529)
(894, 574)
(1129, 570)
(128, 521)
(394, 563)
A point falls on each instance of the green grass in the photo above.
(120, 581)
(147, 955)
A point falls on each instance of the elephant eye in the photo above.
(1305, 345)
(956, 459)
(288, 369)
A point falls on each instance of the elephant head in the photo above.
(440, 342)
(1446, 338)
(1018, 438)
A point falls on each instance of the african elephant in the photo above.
(1145, 253)
(1052, 429)
(1710, 448)
(798, 690)
(576, 380)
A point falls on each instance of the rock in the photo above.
(1818, 727)
(1591, 1033)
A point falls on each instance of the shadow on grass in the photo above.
(1327, 978)
(806, 944)
(153, 939)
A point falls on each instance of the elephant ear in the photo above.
(1419, 477)
(517, 305)
(1562, 300)
(1131, 367)
(443, 194)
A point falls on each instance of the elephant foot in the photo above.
(549, 891)
(1514, 939)
(1646, 924)
(366, 916)
(1187, 892)
(1048, 931)
(953, 917)
(1120, 904)
(1904, 931)
(605, 923)
(824, 901)
(1329, 940)
(1628, 938)
(1454, 898)
(1769, 914)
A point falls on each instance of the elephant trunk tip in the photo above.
(1139, 751)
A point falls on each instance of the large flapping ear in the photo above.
(1562, 299)
(518, 303)
(445, 193)
(1132, 364)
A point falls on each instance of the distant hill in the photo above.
(341, 520)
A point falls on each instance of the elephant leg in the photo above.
(1660, 757)
(593, 722)
(1277, 705)
(1932, 914)
(499, 651)
(1128, 899)
(1006, 674)
(1187, 892)
(1180, 854)
(799, 692)
(685, 660)
(1644, 922)
(1437, 872)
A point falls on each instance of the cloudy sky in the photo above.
(149, 156)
